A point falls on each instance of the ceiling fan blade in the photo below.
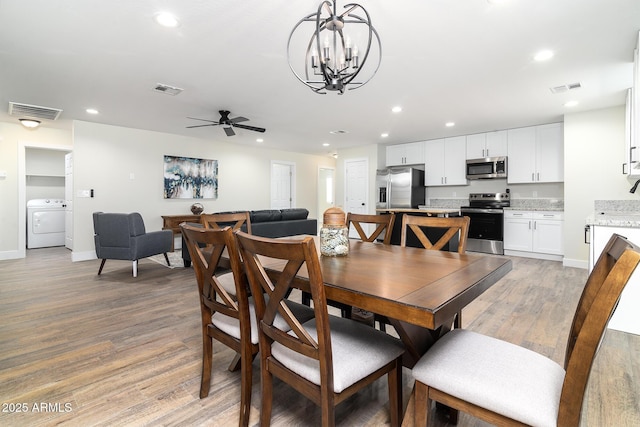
(249, 127)
(229, 131)
(199, 126)
(203, 120)
(238, 119)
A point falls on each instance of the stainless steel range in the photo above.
(486, 230)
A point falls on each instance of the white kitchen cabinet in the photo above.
(536, 154)
(445, 162)
(405, 154)
(489, 144)
(626, 317)
(533, 233)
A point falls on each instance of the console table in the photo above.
(172, 222)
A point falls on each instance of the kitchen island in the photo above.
(621, 217)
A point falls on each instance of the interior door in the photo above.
(356, 191)
(282, 185)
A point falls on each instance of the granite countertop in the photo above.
(615, 213)
(614, 219)
(426, 209)
(556, 205)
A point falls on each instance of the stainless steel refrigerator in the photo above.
(399, 187)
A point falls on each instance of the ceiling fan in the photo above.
(227, 123)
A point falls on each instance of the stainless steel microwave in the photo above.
(487, 168)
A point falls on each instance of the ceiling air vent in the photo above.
(33, 111)
(565, 88)
(169, 90)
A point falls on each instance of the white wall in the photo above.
(105, 158)
(594, 152)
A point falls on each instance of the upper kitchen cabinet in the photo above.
(405, 154)
(536, 154)
(445, 161)
(490, 144)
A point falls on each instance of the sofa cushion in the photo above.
(294, 213)
(265, 215)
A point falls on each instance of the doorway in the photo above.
(24, 149)
(326, 191)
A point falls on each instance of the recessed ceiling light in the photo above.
(450, 124)
(384, 135)
(543, 55)
(92, 111)
(166, 19)
(396, 109)
(326, 144)
(259, 140)
(571, 104)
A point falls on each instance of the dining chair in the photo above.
(506, 384)
(383, 222)
(454, 227)
(225, 315)
(327, 359)
(219, 220)
(235, 220)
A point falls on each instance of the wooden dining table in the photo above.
(418, 290)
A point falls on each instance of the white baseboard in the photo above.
(10, 255)
(576, 263)
(533, 255)
(83, 256)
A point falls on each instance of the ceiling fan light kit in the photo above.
(335, 55)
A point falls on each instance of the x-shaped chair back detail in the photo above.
(220, 220)
(454, 225)
(383, 222)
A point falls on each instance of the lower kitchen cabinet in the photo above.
(535, 234)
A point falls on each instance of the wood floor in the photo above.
(80, 349)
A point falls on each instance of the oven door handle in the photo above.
(481, 210)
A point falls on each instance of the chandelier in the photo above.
(335, 55)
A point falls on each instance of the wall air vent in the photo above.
(169, 90)
(565, 88)
(33, 111)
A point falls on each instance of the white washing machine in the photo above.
(45, 223)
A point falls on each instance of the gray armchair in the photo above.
(123, 236)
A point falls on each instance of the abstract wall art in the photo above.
(190, 178)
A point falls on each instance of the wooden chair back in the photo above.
(455, 226)
(384, 223)
(234, 220)
(599, 298)
(209, 248)
(296, 254)
(270, 289)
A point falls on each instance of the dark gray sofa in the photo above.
(273, 223)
